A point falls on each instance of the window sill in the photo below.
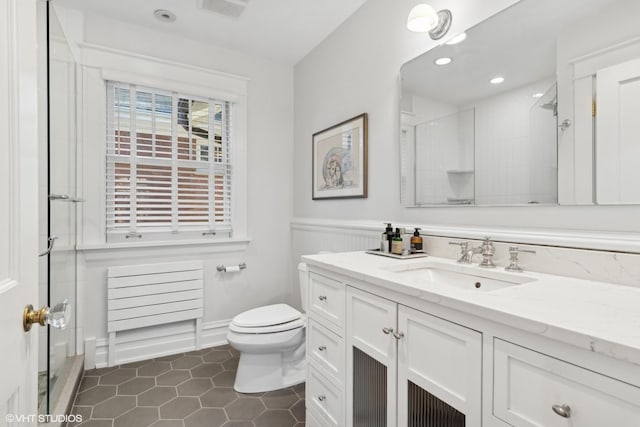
(221, 245)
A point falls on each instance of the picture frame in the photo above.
(339, 160)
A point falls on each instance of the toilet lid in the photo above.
(282, 327)
(268, 315)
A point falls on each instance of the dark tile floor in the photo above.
(183, 390)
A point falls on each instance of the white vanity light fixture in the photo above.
(457, 39)
(424, 19)
(443, 61)
(496, 80)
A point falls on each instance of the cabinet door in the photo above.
(371, 360)
(439, 372)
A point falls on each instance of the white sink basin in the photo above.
(471, 278)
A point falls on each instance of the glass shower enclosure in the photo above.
(58, 219)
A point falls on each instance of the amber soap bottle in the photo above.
(416, 241)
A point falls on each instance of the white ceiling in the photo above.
(281, 30)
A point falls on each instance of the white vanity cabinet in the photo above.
(408, 366)
(379, 357)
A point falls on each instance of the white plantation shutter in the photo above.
(168, 163)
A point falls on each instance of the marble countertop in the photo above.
(596, 316)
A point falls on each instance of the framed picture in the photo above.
(339, 160)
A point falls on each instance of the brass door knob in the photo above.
(57, 317)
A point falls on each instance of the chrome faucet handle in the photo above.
(488, 250)
(513, 258)
(465, 258)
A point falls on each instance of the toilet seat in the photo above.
(267, 320)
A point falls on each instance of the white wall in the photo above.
(269, 277)
(356, 70)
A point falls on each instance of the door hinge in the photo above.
(594, 108)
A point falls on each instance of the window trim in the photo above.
(100, 64)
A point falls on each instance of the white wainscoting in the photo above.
(148, 343)
(608, 257)
(267, 279)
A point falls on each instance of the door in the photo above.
(18, 208)
(371, 360)
(617, 134)
(439, 372)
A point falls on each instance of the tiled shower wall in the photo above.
(505, 145)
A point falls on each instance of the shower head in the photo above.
(551, 105)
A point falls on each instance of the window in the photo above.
(168, 163)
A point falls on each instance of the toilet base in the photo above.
(266, 372)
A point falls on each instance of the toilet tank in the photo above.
(303, 278)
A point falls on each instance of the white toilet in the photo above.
(271, 342)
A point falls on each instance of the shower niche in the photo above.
(434, 365)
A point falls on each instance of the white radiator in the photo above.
(153, 294)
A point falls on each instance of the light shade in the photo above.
(424, 19)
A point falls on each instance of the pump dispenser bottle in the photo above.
(416, 242)
(388, 237)
(396, 243)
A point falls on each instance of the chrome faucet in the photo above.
(487, 250)
(466, 253)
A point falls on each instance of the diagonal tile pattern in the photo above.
(183, 390)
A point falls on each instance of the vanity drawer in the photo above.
(324, 398)
(327, 349)
(313, 421)
(528, 385)
(327, 299)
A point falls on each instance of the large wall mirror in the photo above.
(539, 104)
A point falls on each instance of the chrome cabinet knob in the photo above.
(563, 410)
(57, 317)
(398, 335)
(387, 331)
(322, 298)
(322, 348)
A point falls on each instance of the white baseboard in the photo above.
(148, 343)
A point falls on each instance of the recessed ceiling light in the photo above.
(164, 15)
(443, 61)
(496, 80)
(538, 95)
(457, 39)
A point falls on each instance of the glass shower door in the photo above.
(61, 197)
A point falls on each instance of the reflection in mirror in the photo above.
(507, 116)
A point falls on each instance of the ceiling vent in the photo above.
(232, 8)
